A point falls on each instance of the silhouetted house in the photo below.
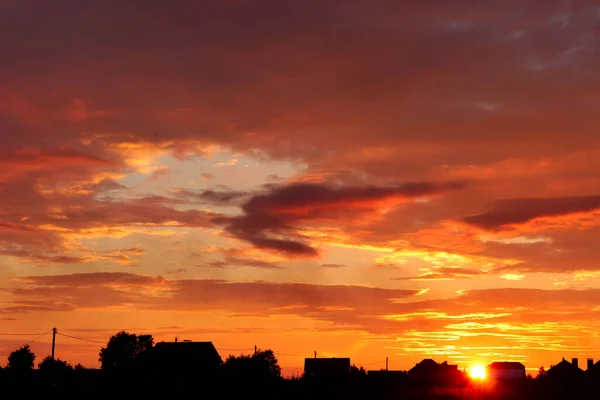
(326, 368)
(429, 372)
(566, 372)
(592, 368)
(506, 370)
(593, 372)
(426, 370)
(388, 377)
(185, 358)
(386, 373)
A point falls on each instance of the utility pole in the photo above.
(255, 350)
(315, 354)
(386, 363)
(53, 341)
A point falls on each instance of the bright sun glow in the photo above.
(477, 372)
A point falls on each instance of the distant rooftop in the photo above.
(187, 352)
(326, 366)
(506, 365)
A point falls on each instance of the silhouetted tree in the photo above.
(54, 365)
(21, 360)
(79, 367)
(123, 350)
(356, 371)
(262, 366)
(542, 373)
(357, 374)
(266, 361)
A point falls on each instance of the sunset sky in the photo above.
(364, 179)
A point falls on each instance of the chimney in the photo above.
(590, 363)
(575, 362)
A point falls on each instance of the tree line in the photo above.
(23, 360)
(127, 352)
(126, 362)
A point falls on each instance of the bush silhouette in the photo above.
(21, 360)
(124, 350)
(260, 367)
(79, 367)
(49, 364)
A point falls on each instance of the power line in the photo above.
(250, 349)
(79, 338)
(28, 343)
(21, 334)
(275, 352)
(371, 363)
(395, 363)
(291, 355)
(101, 342)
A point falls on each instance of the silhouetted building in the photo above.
(185, 358)
(506, 370)
(425, 369)
(386, 373)
(383, 377)
(429, 372)
(593, 373)
(593, 369)
(566, 371)
(326, 368)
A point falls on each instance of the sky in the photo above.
(362, 179)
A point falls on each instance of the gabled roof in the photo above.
(426, 363)
(506, 365)
(425, 367)
(207, 347)
(565, 368)
(564, 364)
(187, 352)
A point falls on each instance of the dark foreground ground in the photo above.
(286, 389)
(94, 384)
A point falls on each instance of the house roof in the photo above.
(385, 372)
(564, 367)
(426, 363)
(198, 351)
(506, 365)
(595, 368)
(425, 366)
(326, 364)
(186, 345)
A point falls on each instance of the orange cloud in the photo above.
(518, 211)
(445, 273)
(283, 210)
(463, 97)
(154, 292)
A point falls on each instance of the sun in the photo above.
(477, 372)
